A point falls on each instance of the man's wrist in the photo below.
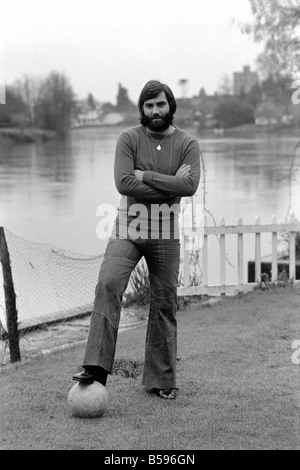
(147, 177)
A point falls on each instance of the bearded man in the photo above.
(156, 164)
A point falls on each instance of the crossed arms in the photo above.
(151, 186)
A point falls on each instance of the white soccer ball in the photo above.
(88, 400)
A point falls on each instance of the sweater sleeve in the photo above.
(178, 185)
(126, 182)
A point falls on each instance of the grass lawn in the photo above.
(239, 388)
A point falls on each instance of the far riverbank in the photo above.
(29, 135)
(26, 135)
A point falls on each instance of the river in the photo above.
(50, 192)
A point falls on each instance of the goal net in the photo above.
(49, 282)
(54, 284)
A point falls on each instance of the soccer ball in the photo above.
(88, 401)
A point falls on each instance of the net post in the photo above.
(10, 300)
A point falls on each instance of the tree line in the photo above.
(276, 26)
(40, 103)
(48, 103)
(235, 110)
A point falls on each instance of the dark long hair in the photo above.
(151, 90)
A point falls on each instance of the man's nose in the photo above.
(155, 111)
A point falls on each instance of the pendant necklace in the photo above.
(159, 148)
(159, 143)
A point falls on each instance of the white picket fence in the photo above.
(221, 231)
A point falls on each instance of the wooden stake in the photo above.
(10, 301)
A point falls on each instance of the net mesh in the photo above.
(48, 281)
(51, 283)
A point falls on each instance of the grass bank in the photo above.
(239, 388)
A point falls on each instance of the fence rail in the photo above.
(221, 231)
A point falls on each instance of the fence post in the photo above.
(205, 255)
(292, 244)
(186, 261)
(10, 301)
(257, 253)
(240, 256)
(222, 258)
(274, 252)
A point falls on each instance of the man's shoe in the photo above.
(84, 377)
(88, 376)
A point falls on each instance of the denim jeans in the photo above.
(121, 256)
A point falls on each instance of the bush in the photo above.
(139, 287)
(233, 112)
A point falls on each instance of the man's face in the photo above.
(156, 113)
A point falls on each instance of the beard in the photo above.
(158, 124)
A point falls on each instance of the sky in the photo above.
(99, 44)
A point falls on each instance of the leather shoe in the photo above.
(88, 377)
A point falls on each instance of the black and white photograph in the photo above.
(150, 227)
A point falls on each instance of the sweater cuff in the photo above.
(147, 177)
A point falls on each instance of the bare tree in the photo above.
(29, 88)
(55, 104)
(226, 86)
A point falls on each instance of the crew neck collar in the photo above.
(158, 135)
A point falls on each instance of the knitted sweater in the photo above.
(136, 149)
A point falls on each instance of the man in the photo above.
(155, 165)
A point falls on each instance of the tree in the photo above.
(279, 90)
(28, 88)
(225, 86)
(14, 112)
(233, 112)
(254, 96)
(55, 103)
(124, 104)
(276, 25)
(202, 93)
(91, 102)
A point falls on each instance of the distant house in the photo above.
(244, 81)
(87, 119)
(205, 107)
(270, 113)
(185, 114)
(294, 111)
(111, 119)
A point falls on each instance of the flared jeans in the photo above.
(121, 257)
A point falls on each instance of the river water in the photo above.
(50, 192)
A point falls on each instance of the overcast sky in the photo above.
(98, 44)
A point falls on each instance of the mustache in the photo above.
(155, 120)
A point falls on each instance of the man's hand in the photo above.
(139, 174)
(183, 170)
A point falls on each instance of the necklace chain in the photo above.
(159, 143)
(154, 169)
